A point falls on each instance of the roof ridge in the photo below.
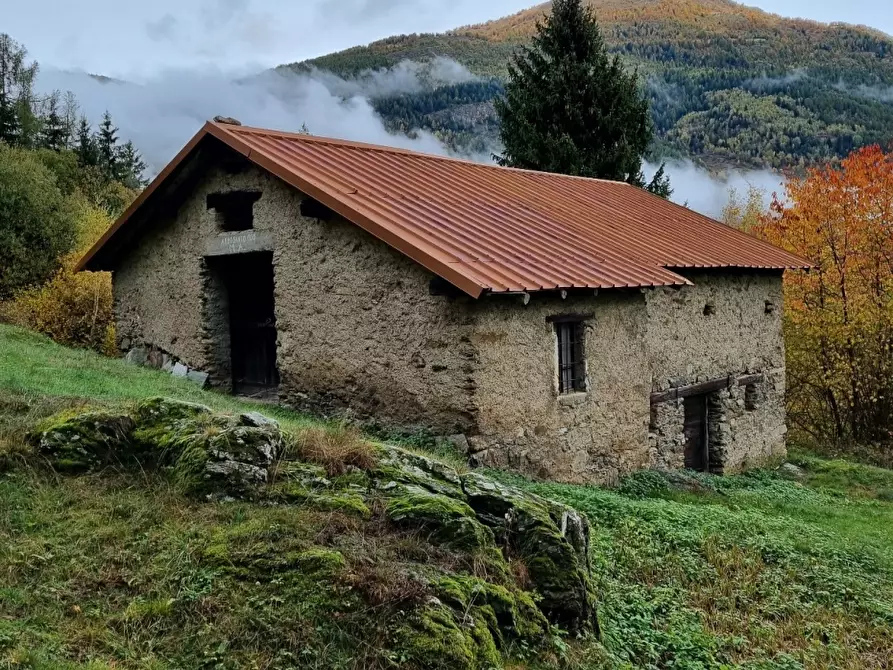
(382, 148)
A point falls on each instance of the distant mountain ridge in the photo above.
(728, 84)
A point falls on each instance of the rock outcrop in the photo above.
(215, 456)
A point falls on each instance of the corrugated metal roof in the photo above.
(486, 228)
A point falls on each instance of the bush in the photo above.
(36, 226)
(72, 308)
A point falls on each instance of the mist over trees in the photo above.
(61, 185)
(54, 122)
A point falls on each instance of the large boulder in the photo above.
(447, 521)
(207, 454)
(212, 455)
(552, 540)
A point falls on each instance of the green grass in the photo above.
(31, 366)
(752, 571)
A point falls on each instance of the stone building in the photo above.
(571, 328)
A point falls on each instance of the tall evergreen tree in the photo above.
(54, 132)
(12, 62)
(570, 107)
(107, 147)
(131, 166)
(85, 145)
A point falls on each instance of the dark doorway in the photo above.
(697, 451)
(252, 321)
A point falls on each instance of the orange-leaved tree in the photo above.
(839, 316)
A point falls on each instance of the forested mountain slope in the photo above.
(726, 82)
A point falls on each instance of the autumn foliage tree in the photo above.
(839, 319)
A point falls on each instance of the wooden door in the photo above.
(696, 442)
(252, 323)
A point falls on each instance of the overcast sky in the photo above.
(130, 38)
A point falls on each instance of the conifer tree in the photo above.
(131, 166)
(54, 131)
(107, 147)
(85, 146)
(16, 81)
(570, 107)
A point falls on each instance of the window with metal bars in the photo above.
(571, 363)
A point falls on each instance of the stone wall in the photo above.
(358, 331)
(637, 342)
(723, 325)
(525, 424)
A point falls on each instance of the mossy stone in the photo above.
(85, 441)
(398, 466)
(160, 410)
(552, 540)
(438, 638)
(510, 612)
(448, 521)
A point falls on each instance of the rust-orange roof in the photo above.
(487, 228)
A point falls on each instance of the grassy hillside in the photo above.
(118, 570)
(811, 92)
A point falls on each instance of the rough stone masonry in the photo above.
(366, 333)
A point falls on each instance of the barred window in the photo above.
(571, 361)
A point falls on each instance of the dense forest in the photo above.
(726, 83)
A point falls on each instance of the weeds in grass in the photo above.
(335, 447)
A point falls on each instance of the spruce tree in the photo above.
(571, 108)
(85, 146)
(9, 122)
(54, 131)
(12, 63)
(107, 146)
(131, 166)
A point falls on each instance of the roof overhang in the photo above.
(469, 268)
(96, 259)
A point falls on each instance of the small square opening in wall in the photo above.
(235, 210)
(570, 335)
(752, 397)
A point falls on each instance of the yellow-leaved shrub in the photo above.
(72, 308)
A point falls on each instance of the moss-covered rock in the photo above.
(205, 453)
(437, 637)
(447, 521)
(551, 539)
(467, 620)
(510, 612)
(294, 482)
(167, 412)
(398, 466)
(254, 552)
(85, 441)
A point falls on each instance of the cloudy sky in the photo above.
(129, 38)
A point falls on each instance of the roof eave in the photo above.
(91, 260)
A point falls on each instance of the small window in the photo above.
(571, 361)
(752, 397)
(235, 210)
